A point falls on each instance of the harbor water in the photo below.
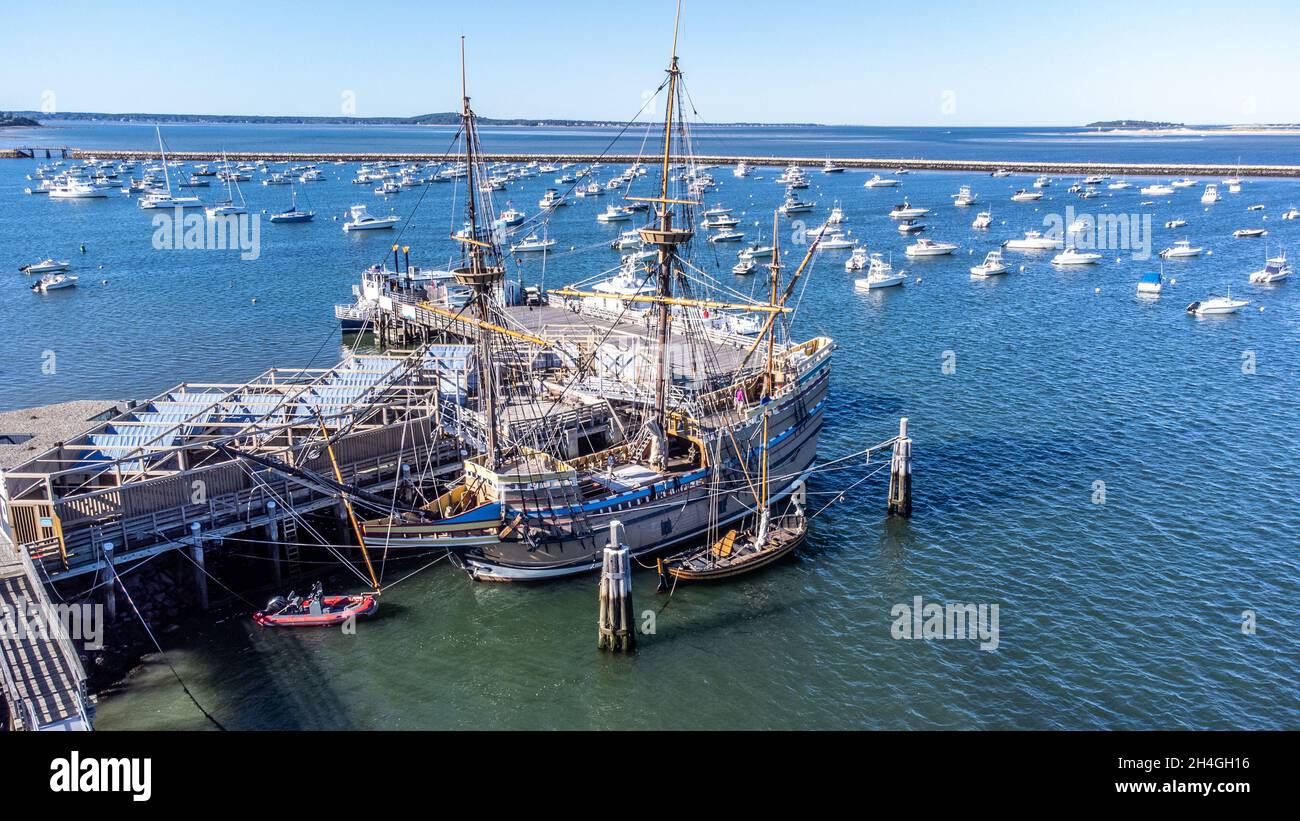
(1110, 471)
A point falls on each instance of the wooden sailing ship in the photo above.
(523, 508)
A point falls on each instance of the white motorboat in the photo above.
(858, 260)
(1033, 241)
(741, 169)
(1211, 194)
(1291, 213)
(930, 248)
(1275, 269)
(312, 175)
(715, 211)
(533, 244)
(1043, 181)
(363, 220)
(982, 220)
(910, 227)
(727, 235)
(878, 181)
(1176, 222)
(834, 241)
(756, 251)
(1000, 172)
(626, 240)
(1026, 196)
(744, 267)
(53, 282)
(1120, 185)
(794, 205)
(160, 199)
(1249, 233)
(1181, 248)
(1256, 207)
(1151, 282)
(1095, 179)
(991, 266)
(510, 217)
(551, 199)
(1073, 256)
(880, 275)
(720, 221)
(46, 266)
(837, 216)
(964, 197)
(1185, 182)
(74, 189)
(614, 213)
(829, 167)
(907, 211)
(1157, 189)
(1217, 306)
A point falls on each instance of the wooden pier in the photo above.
(42, 680)
(873, 163)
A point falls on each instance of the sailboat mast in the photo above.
(769, 376)
(482, 274)
(667, 243)
(167, 178)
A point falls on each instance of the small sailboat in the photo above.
(293, 214)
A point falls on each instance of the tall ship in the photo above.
(700, 419)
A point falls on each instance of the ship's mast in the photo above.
(482, 274)
(665, 238)
(769, 375)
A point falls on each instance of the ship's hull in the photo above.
(676, 512)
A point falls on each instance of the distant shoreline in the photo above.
(443, 119)
(1203, 131)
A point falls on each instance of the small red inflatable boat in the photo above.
(332, 610)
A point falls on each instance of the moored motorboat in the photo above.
(1033, 241)
(1275, 269)
(363, 220)
(1181, 248)
(930, 248)
(317, 610)
(46, 266)
(1217, 306)
(1151, 282)
(991, 266)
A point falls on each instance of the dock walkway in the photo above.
(41, 676)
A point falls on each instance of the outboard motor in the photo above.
(276, 604)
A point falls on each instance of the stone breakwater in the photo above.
(876, 163)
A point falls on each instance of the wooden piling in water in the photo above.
(200, 571)
(617, 632)
(900, 473)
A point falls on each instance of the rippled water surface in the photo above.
(1125, 614)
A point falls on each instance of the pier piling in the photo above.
(110, 594)
(200, 572)
(617, 625)
(900, 473)
(273, 543)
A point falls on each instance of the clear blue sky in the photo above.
(997, 62)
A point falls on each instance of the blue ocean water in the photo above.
(1122, 614)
